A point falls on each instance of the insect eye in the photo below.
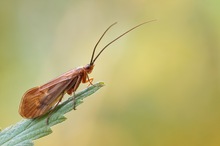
(87, 67)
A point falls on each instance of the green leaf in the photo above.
(24, 132)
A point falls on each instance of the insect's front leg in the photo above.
(90, 81)
(86, 79)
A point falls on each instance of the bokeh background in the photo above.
(162, 80)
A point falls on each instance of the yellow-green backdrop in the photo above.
(162, 80)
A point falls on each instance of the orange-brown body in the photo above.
(39, 100)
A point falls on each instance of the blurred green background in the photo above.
(162, 80)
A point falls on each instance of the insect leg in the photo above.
(51, 111)
(78, 81)
(86, 79)
(89, 80)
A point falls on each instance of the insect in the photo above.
(40, 100)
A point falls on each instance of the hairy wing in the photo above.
(37, 101)
(66, 76)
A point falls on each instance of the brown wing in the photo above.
(36, 102)
(66, 76)
(39, 100)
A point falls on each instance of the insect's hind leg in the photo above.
(52, 110)
(74, 101)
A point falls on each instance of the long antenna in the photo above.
(93, 61)
(93, 53)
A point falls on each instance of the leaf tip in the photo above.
(101, 84)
